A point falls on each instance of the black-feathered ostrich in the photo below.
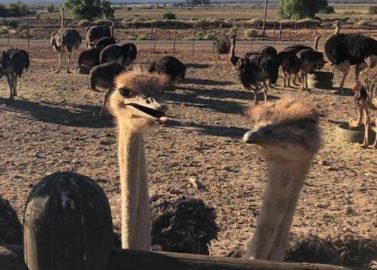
(254, 69)
(105, 41)
(10, 226)
(123, 54)
(97, 32)
(346, 50)
(309, 61)
(13, 62)
(170, 66)
(89, 58)
(289, 62)
(65, 40)
(103, 76)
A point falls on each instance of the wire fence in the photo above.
(31, 32)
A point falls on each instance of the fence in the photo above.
(172, 32)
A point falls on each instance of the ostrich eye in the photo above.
(125, 92)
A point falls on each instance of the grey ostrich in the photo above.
(95, 33)
(65, 40)
(13, 62)
(346, 50)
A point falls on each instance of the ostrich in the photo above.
(170, 66)
(89, 58)
(10, 226)
(288, 136)
(105, 41)
(254, 69)
(268, 50)
(365, 99)
(310, 60)
(13, 62)
(135, 103)
(95, 33)
(289, 62)
(346, 50)
(104, 76)
(123, 54)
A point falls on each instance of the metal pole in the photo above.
(265, 18)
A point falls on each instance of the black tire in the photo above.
(344, 133)
(321, 76)
(320, 84)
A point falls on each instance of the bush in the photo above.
(222, 46)
(129, 8)
(83, 23)
(50, 8)
(102, 22)
(15, 10)
(168, 16)
(90, 9)
(12, 23)
(299, 9)
(249, 33)
(328, 10)
(141, 37)
(373, 10)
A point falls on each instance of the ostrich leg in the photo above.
(366, 128)
(358, 69)
(358, 122)
(60, 62)
(10, 84)
(265, 90)
(15, 85)
(105, 101)
(69, 61)
(375, 133)
(345, 68)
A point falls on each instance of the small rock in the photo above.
(194, 181)
(350, 211)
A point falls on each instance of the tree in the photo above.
(298, 9)
(50, 8)
(90, 9)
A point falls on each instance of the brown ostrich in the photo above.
(288, 136)
(65, 40)
(136, 105)
(365, 99)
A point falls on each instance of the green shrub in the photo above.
(50, 8)
(249, 33)
(102, 22)
(129, 8)
(12, 23)
(83, 23)
(298, 9)
(142, 37)
(3, 30)
(168, 16)
(373, 10)
(90, 9)
(222, 46)
(328, 10)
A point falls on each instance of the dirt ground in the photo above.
(54, 125)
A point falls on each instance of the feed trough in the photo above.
(321, 80)
(345, 133)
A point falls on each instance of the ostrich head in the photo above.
(136, 100)
(286, 130)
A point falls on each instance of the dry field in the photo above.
(54, 126)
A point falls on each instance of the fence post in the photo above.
(28, 34)
(295, 32)
(155, 37)
(193, 40)
(280, 30)
(151, 36)
(175, 36)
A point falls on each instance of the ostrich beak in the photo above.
(264, 136)
(254, 137)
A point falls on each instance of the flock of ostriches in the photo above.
(287, 130)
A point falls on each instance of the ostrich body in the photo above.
(288, 136)
(170, 66)
(89, 58)
(13, 62)
(105, 41)
(103, 76)
(136, 106)
(310, 60)
(123, 54)
(95, 33)
(269, 50)
(254, 69)
(65, 41)
(289, 63)
(365, 99)
(346, 50)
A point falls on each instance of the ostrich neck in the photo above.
(316, 44)
(134, 190)
(232, 57)
(337, 30)
(284, 184)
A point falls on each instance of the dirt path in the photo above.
(54, 126)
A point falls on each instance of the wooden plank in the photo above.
(11, 258)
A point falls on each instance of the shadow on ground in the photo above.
(70, 115)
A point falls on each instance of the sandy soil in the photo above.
(54, 126)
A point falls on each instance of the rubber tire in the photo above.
(343, 133)
(83, 70)
(320, 84)
(321, 76)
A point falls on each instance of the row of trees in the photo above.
(14, 10)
